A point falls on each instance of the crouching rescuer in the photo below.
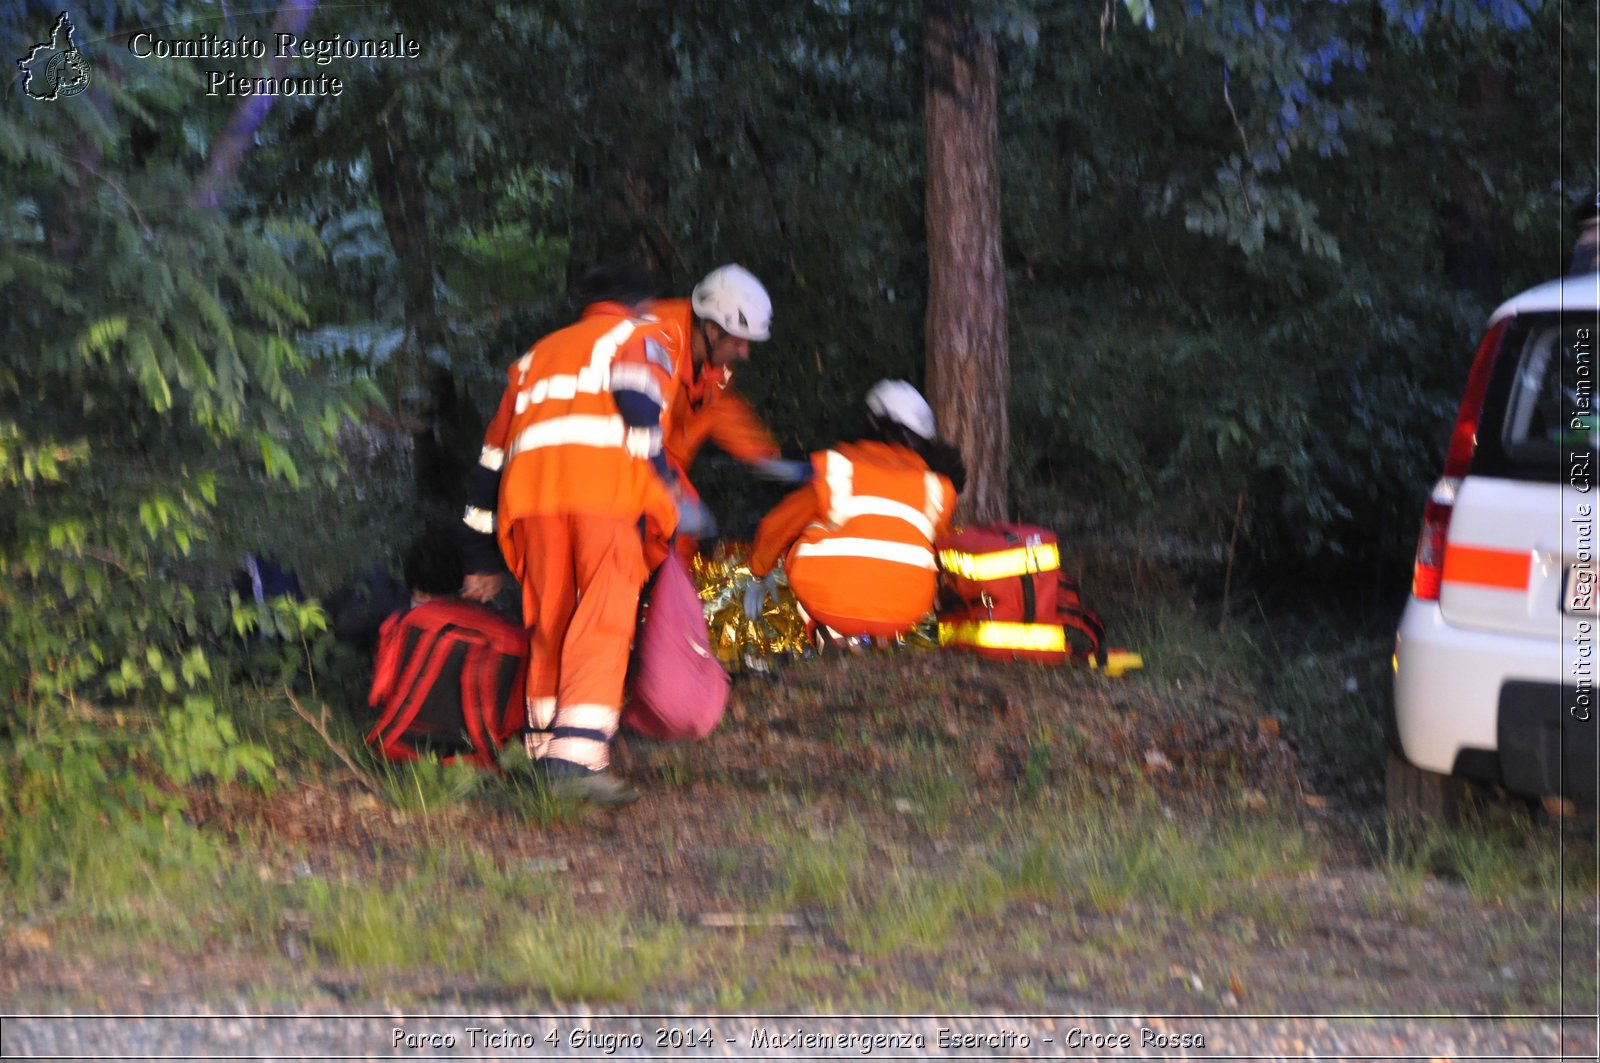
(564, 487)
(857, 540)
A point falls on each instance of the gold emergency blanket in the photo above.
(723, 576)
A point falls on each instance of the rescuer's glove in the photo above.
(759, 593)
(783, 471)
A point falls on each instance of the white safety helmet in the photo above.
(897, 401)
(733, 298)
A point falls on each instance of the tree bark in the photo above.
(968, 358)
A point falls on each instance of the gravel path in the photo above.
(215, 1035)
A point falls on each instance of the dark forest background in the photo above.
(1240, 254)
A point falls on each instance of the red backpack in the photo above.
(1003, 595)
(449, 681)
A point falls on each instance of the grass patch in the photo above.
(920, 908)
(1178, 642)
(367, 927)
(936, 791)
(526, 796)
(1074, 853)
(1326, 683)
(440, 913)
(822, 870)
(576, 955)
(423, 786)
(1497, 864)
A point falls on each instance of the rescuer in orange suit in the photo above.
(857, 541)
(727, 311)
(563, 485)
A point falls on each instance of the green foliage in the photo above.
(198, 741)
(423, 786)
(1229, 283)
(152, 387)
(82, 823)
(1225, 267)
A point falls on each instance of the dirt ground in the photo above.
(868, 741)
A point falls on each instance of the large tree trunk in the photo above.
(969, 372)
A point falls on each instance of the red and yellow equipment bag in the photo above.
(1003, 595)
(449, 681)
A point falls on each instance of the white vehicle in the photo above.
(1498, 650)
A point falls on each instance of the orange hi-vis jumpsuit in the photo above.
(857, 540)
(575, 479)
(705, 407)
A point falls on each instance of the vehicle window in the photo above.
(1543, 404)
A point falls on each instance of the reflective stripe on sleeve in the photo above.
(479, 520)
(564, 387)
(605, 348)
(643, 442)
(592, 379)
(934, 507)
(876, 549)
(632, 377)
(492, 458)
(840, 475)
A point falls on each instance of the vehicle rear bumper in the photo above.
(1496, 707)
(1547, 741)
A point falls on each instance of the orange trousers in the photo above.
(581, 577)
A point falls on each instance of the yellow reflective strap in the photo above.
(1119, 662)
(1017, 561)
(1004, 635)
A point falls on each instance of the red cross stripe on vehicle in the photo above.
(1485, 566)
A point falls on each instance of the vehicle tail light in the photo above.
(1428, 573)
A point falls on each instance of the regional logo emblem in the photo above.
(56, 68)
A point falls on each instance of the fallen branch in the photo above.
(756, 919)
(321, 727)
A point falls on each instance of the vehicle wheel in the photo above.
(1419, 795)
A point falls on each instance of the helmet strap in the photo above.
(705, 343)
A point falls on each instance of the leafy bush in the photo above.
(145, 409)
(197, 740)
(81, 821)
